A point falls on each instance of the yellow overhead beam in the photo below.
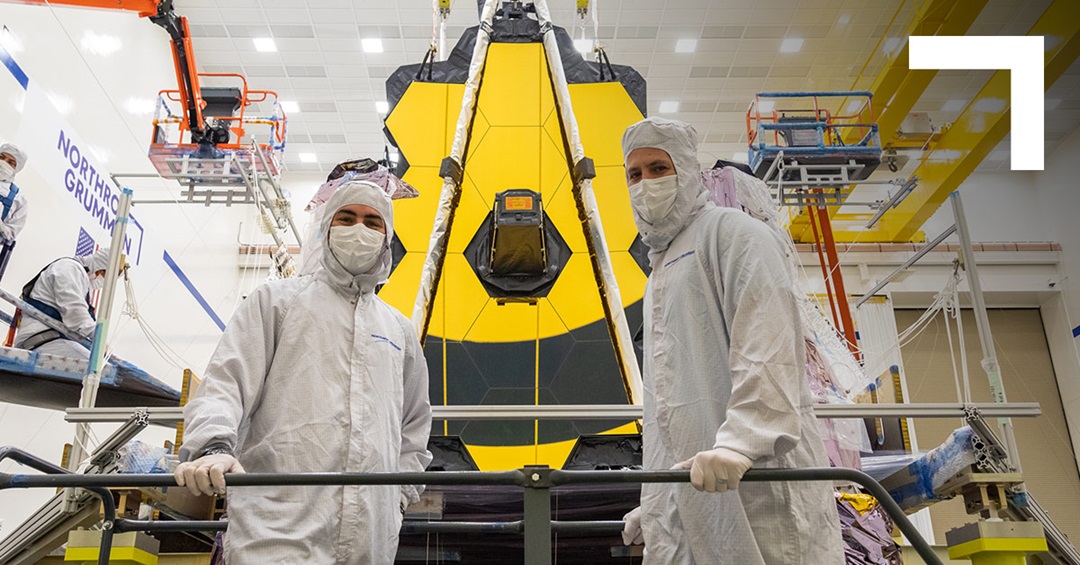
(979, 129)
(897, 88)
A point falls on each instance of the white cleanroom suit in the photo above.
(13, 219)
(724, 367)
(317, 374)
(64, 287)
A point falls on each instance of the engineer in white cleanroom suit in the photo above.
(62, 290)
(724, 371)
(12, 206)
(315, 374)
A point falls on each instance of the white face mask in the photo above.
(7, 172)
(97, 283)
(357, 247)
(653, 199)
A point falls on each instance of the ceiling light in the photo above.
(290, 106)
(308, 158)
(669, 106)
(372, 45)
(844, 19)
(264, 44)
(739, 157)
(1051, 103)
(954, 105)
(990, 105)
(102, 44)
(686, 46)
(382, 107)
(583, 46)
(140, 106)
(766, 106)
(791, 45)
(854, 107)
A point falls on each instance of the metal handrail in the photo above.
(107, 502)
(537, 482)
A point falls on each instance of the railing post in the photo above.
(537, 515)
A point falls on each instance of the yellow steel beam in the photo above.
(980, 128)
(897, 88)
(914, 82)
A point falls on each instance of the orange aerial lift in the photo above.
(210, 128)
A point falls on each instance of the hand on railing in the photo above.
(206, 475)
(631, 533)
(716, 470)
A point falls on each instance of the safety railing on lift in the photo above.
(537, 525)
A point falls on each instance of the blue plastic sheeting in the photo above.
(913, 486)
(48, 381)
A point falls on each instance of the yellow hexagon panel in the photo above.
(477, 132)
(470, 213)
(516, 321)
(419, 141)
(513, 77)
(613, 200)
(414, 217)
(509, 458)
(553, 166)
(454, 93)
(575, 296)
(561, 207)
(501, 161)
(400, 290)
(630, 278)
(553, 129)
(603, 110)
(461, 297)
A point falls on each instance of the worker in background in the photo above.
(62, 291)
(315, 374)
(724, 375)
(13, 211)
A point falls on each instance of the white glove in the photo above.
(716, 470)
(631, 532)
(206, 475)
(6, 232)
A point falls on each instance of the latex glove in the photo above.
(206, 475)
(631, 532)
(6, 232)
(716, 470)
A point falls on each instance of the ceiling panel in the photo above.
(320, 63)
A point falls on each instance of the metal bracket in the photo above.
(451, 169)
(583, 170)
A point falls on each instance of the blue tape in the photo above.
(14, 67)
(194, 292)
(1076, 331)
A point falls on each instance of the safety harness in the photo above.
(7, 201)
(43, 337)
